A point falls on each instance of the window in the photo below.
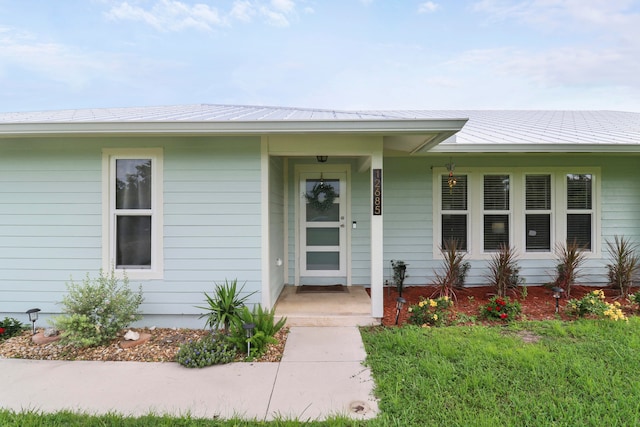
(579, 210)
(538, 213)
(133, 231)
(532, 210)
(497, 211)
(454, 212)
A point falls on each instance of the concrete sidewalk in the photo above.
(320, 375)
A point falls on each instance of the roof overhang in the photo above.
(535, 148)
(407, 135)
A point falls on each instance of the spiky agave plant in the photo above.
(624, 264)
(570, 258)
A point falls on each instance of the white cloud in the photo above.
(175, 15)
(428, 7)
(170, 15)
(242, 11)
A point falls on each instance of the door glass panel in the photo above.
(323, 260)
(330, 215)
(322, 213)
(323, 236)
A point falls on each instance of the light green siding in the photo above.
(51, 212)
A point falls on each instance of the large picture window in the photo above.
(134, 190)
(530, 210)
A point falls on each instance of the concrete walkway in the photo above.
(320, 375)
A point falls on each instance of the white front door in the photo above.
(323, 231)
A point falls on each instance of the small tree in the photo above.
(504, 273)
(624, 265)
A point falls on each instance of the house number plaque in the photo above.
(377, 191)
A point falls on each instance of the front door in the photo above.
(323, 232)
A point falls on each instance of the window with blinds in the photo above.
(455, 211)
(497, 211)
(580, 210)
(538, 213)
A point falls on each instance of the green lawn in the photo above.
(580, 373)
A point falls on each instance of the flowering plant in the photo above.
(9, 327)
(430, 312)
(501, 308)
(594, 305)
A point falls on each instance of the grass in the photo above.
(576, 373)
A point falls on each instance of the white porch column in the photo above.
(377, 238)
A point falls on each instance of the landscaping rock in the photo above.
(132, 336)
(128, 343)
(41, 339)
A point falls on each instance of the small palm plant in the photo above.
(504, 272)
(570, 258)
(225, 305)
(454, 270)
(624, 266)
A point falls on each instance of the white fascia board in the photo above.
(537, 148)
(233, 127)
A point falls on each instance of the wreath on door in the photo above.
(321, 197)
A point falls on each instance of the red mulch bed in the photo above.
(538, 304)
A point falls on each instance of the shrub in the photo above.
(501, 308)
(399, 274)
(635, 298)
(9, 327)
(97, 309)
(225, 304)
(570, 258)
(210, 350)
(430, 312)
(624, 266)
(263, 333)
(594, 305)
(454, 270)
(504, 273)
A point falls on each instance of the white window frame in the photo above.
(109, 157)
(475, 227)
(507, 212)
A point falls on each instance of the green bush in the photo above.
(210, 350)
(501, 308)
(97, 309)
(430, 312)
(263, 334)
(224, 305)
(9, 327)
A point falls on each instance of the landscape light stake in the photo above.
(33, 316)
(557, 293)
(399, 304)
(249, 327)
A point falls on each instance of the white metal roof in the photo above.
(500, 129)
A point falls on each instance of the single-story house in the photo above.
(182, 197)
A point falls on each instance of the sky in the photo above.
(329, 54)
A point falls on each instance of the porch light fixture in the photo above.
(322, 159)
(33, 316)
(452, 181)
(557, 293)
(400, 302)
(248, 328)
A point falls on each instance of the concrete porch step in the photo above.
(330, 320)
(350, 308)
